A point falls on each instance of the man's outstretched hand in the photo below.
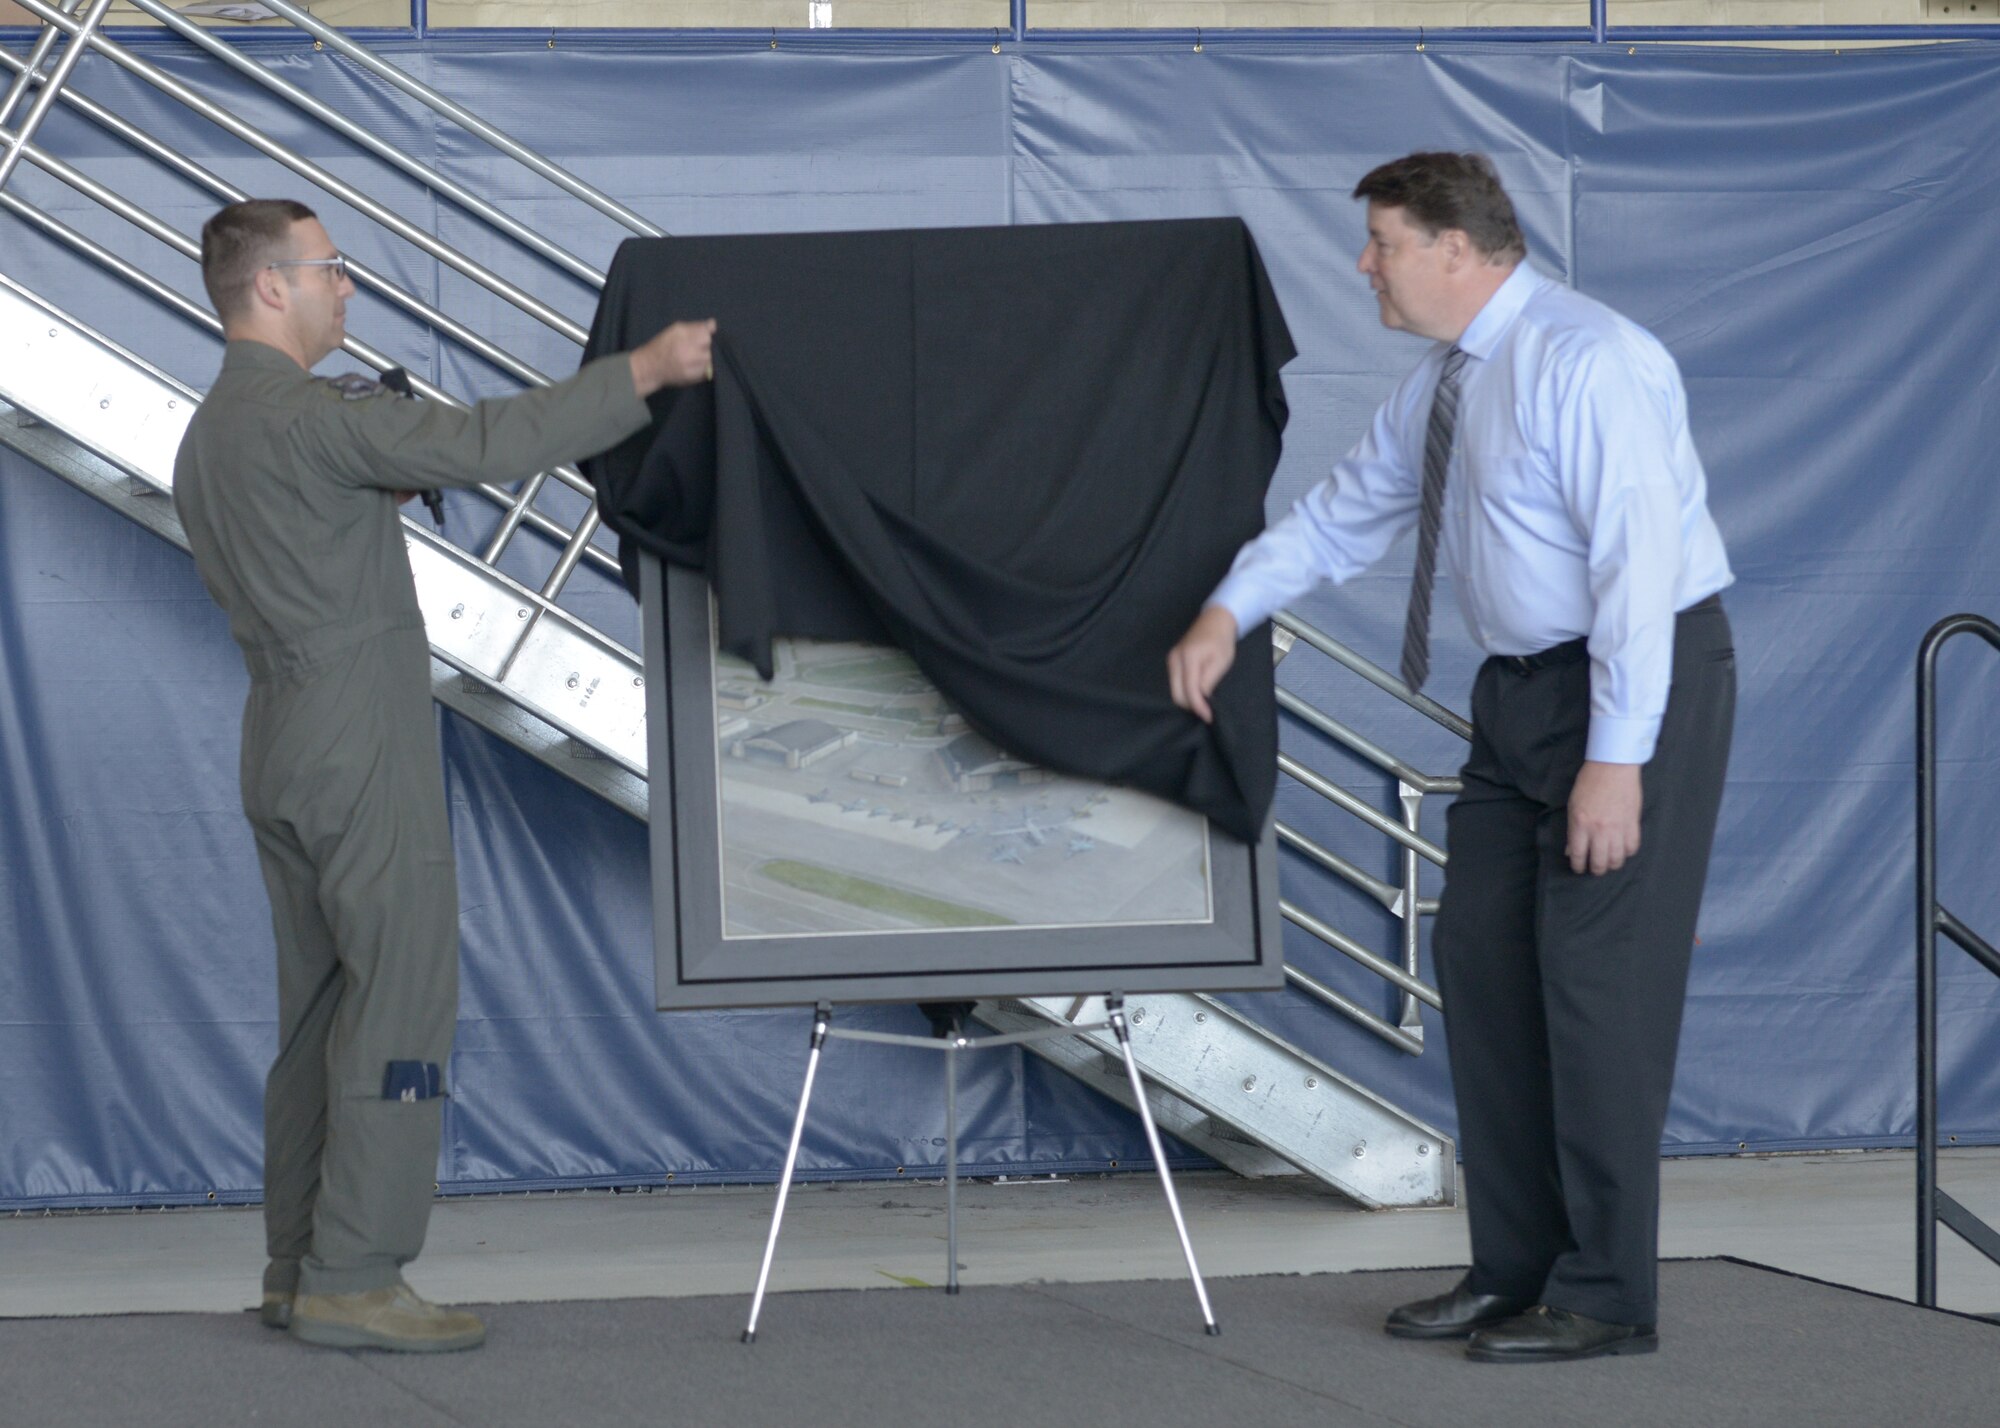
(680, 355)
(1196, 665)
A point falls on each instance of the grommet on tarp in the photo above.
(774, 37)
(996, 39)
(552, 39)
(1197, 39)
(1420, 39)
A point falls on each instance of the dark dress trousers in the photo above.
(1569, 987)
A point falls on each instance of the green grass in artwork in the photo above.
(889, 673)
(878, 897)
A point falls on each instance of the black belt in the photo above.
(1571, 651)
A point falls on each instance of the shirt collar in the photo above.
(248, 352)
(1482, 335)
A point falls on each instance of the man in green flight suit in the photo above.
(288, 488)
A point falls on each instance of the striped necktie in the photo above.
(1430, 516)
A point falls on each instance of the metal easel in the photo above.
(951, 1044)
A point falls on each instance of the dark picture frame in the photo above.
(1236, 945)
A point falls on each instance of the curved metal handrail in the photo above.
(1933, 1204)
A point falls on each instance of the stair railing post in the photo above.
(1412, 799)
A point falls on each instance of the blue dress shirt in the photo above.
(1575, 505)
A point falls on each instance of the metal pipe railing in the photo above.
(83, 34)
(519, 508)
(1932, 918)
(569, 183)
(1381, 678)
(187, 247)
(1366, 748)
(389, 154)
(1320, 992)
(29, 70)
(1374, 818)
(1404, 901)
(1388, 894)
(1381, 966)
(363, 275)
(313, 173)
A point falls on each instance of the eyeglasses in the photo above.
(338, 262)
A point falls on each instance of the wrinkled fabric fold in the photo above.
(1024, 455)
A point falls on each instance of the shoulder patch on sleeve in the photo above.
(352, 386)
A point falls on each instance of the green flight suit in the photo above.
(285, 486)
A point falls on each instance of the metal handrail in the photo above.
(1933, 1204)
(1379, 965)
(1320, 992)
(173, 300)
(202, 317)
(562, 178)
(1413, 785)
(1375, 819)
(1366, 748)
(121, 55)
(1374, 673)
(85, 32)
(1388, 894)
(576, 543)
(30, 67)
(389, 154)
(364, 276)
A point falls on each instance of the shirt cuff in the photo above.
(1241, 600)
(1621, 740)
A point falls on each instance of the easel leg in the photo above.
(1114, 1006)
(951, 1159)
(822, 1020)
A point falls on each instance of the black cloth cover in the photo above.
(1026, 455)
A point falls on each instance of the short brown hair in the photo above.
(1440, 191)
(241, 239)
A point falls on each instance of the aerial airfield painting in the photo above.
(855, 800)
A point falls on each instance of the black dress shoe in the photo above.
(1451, 1315)
(1551, 1336)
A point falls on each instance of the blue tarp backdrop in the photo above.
(1811, 234)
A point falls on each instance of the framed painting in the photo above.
(841, 833)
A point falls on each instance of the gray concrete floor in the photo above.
(1847, 1218)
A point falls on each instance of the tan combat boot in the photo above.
(394, 1317)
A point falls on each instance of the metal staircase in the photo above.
(512, 659)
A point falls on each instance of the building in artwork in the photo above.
(795, 745)
(973, 763)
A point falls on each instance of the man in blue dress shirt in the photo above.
(1541, 448)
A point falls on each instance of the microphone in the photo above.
(398, 381)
